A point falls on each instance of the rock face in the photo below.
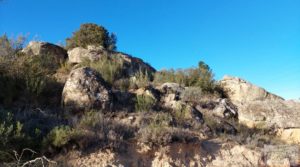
(258, 108)
(241, 90)
(46, 49)
(131, 65)
(171, 95)
(85, 89)
(78, 54)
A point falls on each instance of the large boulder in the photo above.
(260, 109)
(241, 90)
(86, 89)
(44, 49)
(79, 54)
(131, 65)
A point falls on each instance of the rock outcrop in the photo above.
(92, 53)
(44, 49)
(85, 89)
(243, 91)
(260, 109)
(131, 65)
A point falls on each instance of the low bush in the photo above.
(144, 103)
(11, 135)
(181, 114)
(201, 77)
(110, 69)
(141, 79)
(159, 131)
(92, 129)
(58, 136)
(24, 78)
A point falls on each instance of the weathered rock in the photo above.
(92, 53)
(241, 90)
(85, 89)
(148, 91)
(223, 109)
(171, 95)
(131, 65)
(269, 113)
(258, 108)
(171, 88)
(44, 49)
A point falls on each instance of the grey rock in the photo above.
(85, 89)
(44, 49)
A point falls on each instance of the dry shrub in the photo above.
(158, 131)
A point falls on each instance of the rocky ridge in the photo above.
(246, 105)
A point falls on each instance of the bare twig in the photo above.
(41, 159)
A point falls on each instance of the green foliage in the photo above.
(9, 130)
(144, 103)
(181, 114)
(110, 69)
(9, 47)
(159, 131)
(25, 76)
(201, 77)
(123, 84)
(141, 79)
(11, 135)
(58, 136)
(22, 76)
(92, 34)
(91, 119)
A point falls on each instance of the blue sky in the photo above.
(258, 40)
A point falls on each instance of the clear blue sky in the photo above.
(258, 40)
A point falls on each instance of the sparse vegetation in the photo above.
(31, 114)
(109, 68)
(141, 80)
(144, 103)
(159, 131)
(201, 77)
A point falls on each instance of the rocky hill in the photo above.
(107, 108)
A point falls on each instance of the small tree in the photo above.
(92, 34)
(206, 79)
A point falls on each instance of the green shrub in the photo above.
(110, 69)
(9, 130)
(141, 79)
(144, 103)
(26, 78)
(123, 84)
(158, 131)
(11, 135)
(92, 34)
(181, 114)
(58, 136)
(92, 129)
(197, 77)
(23, 77)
